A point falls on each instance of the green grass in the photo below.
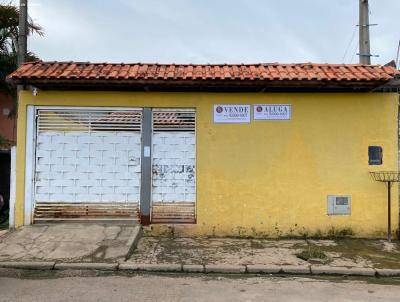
(312, 252)
(334, 233)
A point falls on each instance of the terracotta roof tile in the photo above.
(48, 72)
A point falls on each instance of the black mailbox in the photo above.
(375, 155)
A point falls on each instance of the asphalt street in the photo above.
(191, 288)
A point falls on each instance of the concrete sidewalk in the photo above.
(118, 248)
(357, 253)
(350, 257)
(68, 243)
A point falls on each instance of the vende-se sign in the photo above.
(231, 114)
(272, 112)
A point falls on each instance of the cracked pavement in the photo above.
(361, 253)
(67, 242)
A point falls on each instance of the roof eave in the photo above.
(203, 85)
(392, 85)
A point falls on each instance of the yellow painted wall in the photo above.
(270, 178)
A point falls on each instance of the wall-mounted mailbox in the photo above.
(375, 155)
(339, 205)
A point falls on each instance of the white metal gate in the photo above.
(87, 164)
(173, 166)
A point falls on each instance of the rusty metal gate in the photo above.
(173, 196)
(87, 164)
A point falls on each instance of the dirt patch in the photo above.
(363, 253)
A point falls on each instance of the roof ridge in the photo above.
(200, 64)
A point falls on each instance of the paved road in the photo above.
(169, 288)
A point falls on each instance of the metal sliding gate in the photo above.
(90, 164)
(173, 166)
(87, 164)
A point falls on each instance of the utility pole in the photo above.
(365, 49)
(22, 31)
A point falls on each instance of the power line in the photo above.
(354, 53)
(350, 43)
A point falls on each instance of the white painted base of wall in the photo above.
(13, 175)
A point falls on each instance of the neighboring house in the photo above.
(8, 134)
(248, 150)
(8, 123)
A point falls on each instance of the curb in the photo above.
(343, 271)
(388, 272)
(34, 265)
(150, 267)
(193, 268)
(225, 269)
(296, 269)
(264, 269)
(208, 268)
(87, 266)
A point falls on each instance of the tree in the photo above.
(9, 15)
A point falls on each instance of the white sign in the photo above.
(272, 112)
(146, 151)
(231, 114)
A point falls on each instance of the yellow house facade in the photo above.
(221, 161)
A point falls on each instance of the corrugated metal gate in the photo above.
(87, 164)
(173, 166)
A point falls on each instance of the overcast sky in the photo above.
(211, 31)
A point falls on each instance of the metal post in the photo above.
(22, 31)
(364, 38)
(389, 185)
(145, 189)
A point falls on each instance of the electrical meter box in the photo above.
(339, 205)
(375, 155)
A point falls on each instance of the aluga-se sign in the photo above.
(272, 112)
(231, 114)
